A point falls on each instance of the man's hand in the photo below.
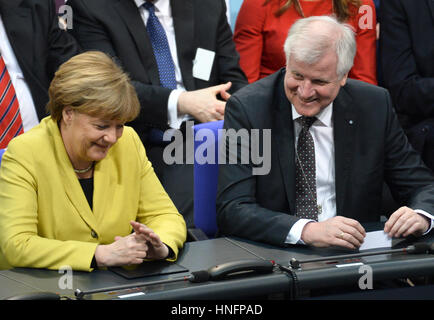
(336, 231)
(203, 104)
(404, 222)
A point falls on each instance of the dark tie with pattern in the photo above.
(166, 67)
(305, 177)
(11, 124)
(160, 46)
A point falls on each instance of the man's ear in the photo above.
(343, 81)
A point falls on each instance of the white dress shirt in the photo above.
(22, 91)
(163, 11)
(322, 134)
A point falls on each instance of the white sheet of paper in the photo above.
(202, 64)
(376, 239)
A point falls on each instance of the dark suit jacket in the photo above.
(40, 46)
(407, 58)
(370, 147)
(116, 27)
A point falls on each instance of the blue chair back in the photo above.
(1, 154)
(206, 175)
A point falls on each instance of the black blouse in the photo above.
(87, 186)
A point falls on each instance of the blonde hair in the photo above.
(93, 84)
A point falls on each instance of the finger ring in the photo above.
(341, 235)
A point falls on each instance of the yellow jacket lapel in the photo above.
(73, 188)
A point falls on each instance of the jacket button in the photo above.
(94, 234)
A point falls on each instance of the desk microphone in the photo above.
(218, 272)
(412, 249)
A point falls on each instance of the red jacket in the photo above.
(259, 36)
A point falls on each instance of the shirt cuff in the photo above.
(429, 216)
(174, 118)
(294, 235)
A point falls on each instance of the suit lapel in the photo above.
(71, 184)
(344, 124)
(130, 14)
(102, 185)
(17, 20)
(183, 23)
(284, 136)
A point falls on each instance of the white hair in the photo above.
(308, 43)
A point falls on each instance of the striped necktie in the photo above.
(11, 124)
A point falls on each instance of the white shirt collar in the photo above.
(325, 115)
(162, 6)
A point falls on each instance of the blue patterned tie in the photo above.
(160, 45)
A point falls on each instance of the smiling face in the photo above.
(87, 138)
(312, 87)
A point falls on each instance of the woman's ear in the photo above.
(67, 114)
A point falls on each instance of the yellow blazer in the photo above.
(45, 219)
